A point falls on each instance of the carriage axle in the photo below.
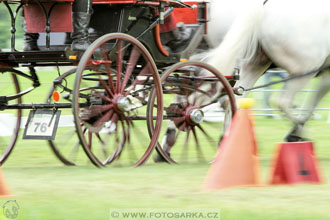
(40, 106)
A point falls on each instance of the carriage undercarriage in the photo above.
(121, 81)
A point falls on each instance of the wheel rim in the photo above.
(66, 145)
(114, 79)
(194, 134)
(9, 86)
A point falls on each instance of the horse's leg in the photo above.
(249, 74)
(168, 141)
(323, 88)
(285, 101)
(169, 138)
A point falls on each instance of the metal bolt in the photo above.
(197, 116)
(124, 104)
(239, 90)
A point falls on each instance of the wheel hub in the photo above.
(124, 104)
(185, 117)
(196, 116)
(193, 115)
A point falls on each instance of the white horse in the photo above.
(293, 35)
(221, 15)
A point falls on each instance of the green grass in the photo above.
(46, 189)
(56, 192)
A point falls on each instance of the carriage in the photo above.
(123, 90)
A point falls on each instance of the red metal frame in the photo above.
(158, 41)
(186, 15)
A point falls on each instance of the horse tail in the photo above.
(240, 42)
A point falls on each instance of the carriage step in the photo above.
(34, 57)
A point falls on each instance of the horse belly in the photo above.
(296, 38)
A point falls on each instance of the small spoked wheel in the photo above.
(10, 119)
(198, 104)
(113, 82)
(66, 145)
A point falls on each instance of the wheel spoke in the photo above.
(114, 119)
(179, 120)
(126, 133)
(107, 89)
(105, 98)
(200, 154)
(74, 153)
(98, 110)
(119, 62)
(90, 139)
(103, 146)
(182, 126)
(103, 119)
(184, 153)
(212, 142)
(134, 56)
(207, 104)
(198, 92)
(124, 138)
(108, 69)
(145, 72)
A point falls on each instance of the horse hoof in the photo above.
(294, 138)
(160, 159)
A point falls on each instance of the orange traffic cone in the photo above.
(236, 162)
(4, 189)
(295, 162)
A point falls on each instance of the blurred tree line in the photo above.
(5, 26)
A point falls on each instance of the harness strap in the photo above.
(316, 72)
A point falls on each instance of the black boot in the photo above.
(30, 40)
(79, 35)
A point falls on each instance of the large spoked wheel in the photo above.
(195, 96)
(114, 79)
(66, 145)
(10, 120)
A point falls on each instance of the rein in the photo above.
(318, 72)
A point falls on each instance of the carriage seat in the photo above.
(36, 19)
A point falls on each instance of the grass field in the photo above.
(46, 189)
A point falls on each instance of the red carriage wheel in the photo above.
(194, 95)
(113, 81)
(10, 119)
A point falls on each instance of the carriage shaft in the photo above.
(40, 106)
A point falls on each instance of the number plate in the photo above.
(42, 124)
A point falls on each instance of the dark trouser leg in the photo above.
(30, 39)
(177, 39)
(81, 14)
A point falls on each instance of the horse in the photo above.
(222, 14)
(293, 35)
